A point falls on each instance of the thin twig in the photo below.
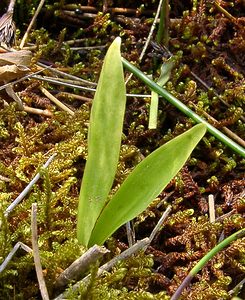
(130, 233)
(80, 265)
(225, 12)
(149, 36)
(85, 48)
(125, 254)
(37, 260)
(225, 216)
(2, 87)
(3, 178)
(151, 31)
(37, 111)
(12, 253)
(31, 23)
(237, 288)
(165, 199)
(10, 91)
(27, 188)
(71, 81)
(63, 74)
(113, 10)
(159, 223)
(60, 82)
(109, 265)
(73, 96)
(140, 245)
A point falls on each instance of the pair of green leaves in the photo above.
(99, 217)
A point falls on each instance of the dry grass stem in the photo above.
(12, 253)
(149, 36)
(37, 111)
(130, 233)
(31, 24)
(63, 74)
(56, 101)
(37, 260)
(73, 96)
(211, 208)
(27, 188)
(228, 132)
(159, 223)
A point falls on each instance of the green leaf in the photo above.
(147, 181)
(166, 69)
(104, 140)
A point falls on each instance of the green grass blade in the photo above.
(183, 108)
(104, 140)
(146, 181)
(204, 261)
(163, 28)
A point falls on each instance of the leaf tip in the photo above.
(117, 40)
(202, 127)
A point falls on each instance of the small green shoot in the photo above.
(99, 217)
(166, 69)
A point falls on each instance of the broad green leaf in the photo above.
(146, 181)
(104, 140)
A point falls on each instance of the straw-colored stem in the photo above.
(31, 24)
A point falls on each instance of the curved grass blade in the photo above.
(104, 140)
(205, 260)
(146, 182)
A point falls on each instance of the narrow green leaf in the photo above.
(146, 182)
(153, 111)
(104, 140)
(166, 69)
(163, 27)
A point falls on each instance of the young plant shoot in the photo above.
(98, 216)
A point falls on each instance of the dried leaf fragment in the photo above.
(12, 72)
(22, 57)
